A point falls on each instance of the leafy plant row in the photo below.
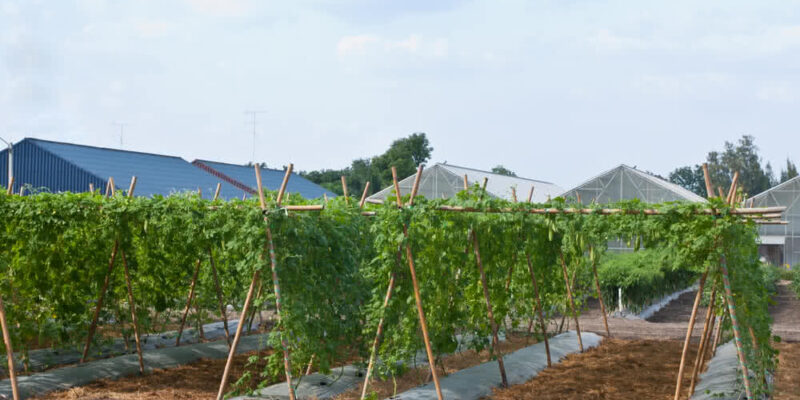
(335, 265)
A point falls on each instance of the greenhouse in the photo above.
(443, 181)
(780, 244)
(627, 183)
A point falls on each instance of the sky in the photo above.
(553, 90)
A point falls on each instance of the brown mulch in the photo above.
(198, 380)
(787, 384)
(617, 369)
(421, 375)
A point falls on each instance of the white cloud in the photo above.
(692, 84)
(415, 44)
(605, 40)
(349, 45)
(411, 44)
(151, 29)
(778, 92)
(221, 8)
(769, 40)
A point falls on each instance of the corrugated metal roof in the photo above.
(445, 180)
(244, 176)
(626, 183)
(70, 167)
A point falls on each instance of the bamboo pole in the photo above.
(91, 187)
(100, 297)
(249, 298)
(282, 189)
(698, 362)
(718, 335)
(222, 311)
(466, 184)
(492, 321)
(530, 195)
(732, 191)
(513, 194)
(599, 292)
(542, 321)
(364, 195)
(578, 197)
(720, 192)
(10, 188)
(571, 302)
(707, 178)
(255, 309)
(237, 336)
(483, 187)
(378, 334)
(131, 187)
(133, 311)
(287, 361)
(737, 335)
(12, 372)
(188, 303)
(344, 190)
(217, 190)
(697, 298)
(417, 296)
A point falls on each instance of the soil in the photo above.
(787, 386)
(617, 369)
(198, 380)
(421, 375)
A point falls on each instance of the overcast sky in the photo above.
(554, 90)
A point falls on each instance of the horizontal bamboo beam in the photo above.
(611, 211)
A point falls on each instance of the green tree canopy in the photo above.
(739, 157)
(790, 171)
(501, 170)
(405, 154)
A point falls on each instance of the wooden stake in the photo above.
(217, 190)
(732, 191)
(284, 183)
(492, 321)
(100, 298)
(132, 305)
(718, 335)
(578, 197)
(237, 336)
(697, 298)
(542, 321)
(698, 361)
(222, 311)
(131, 187)
(415, 188)
(571, 302)
(530, 195)
(599, 292)
(721, 193)
(398, 196)
(188, 302)
(417, 297)
(466, 185)
(344, 190)
(91, 187)
(513, 194)
(12, 372)
(735, 323)
(364, 195)
(22, 190)
(483, 187)
(707, 176)
(10, 189)
(378, 334)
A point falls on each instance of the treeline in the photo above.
(405, 154)
(742, 157)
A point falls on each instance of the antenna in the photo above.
(121, 126)
(254, 113)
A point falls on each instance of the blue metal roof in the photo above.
(270, 178)
(69, 167)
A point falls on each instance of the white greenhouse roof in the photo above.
(627, 183)
(445, 180)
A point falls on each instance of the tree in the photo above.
(741, 157)
(501, 170)
(690, 178)
(406, 154)
(790, 171)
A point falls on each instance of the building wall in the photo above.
(41, 170)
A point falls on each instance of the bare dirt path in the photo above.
(786, 314)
